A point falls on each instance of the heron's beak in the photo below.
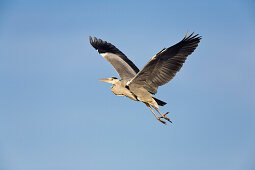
(105, 80)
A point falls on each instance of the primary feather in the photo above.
(164, 65)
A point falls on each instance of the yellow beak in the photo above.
(105, 80)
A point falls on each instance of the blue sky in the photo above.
(56, 115)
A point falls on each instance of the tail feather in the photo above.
(160, 103)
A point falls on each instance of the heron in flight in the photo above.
(141, 85)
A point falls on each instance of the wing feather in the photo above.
(164, 65)
(124, 67)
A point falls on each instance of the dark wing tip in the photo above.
(91, 40)
(103, 46)
(97, 43)
(192, 37)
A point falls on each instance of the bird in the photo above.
(141, 85)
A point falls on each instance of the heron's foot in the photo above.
(164, 116)
(161, 121)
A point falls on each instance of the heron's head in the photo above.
(112, 80)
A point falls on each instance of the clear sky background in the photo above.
(56, 115)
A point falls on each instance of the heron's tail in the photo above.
(160, 103)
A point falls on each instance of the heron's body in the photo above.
(119, 89)
(141, 85)
(136, 94)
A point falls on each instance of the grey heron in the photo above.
(141, 85)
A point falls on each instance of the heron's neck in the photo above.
(116, 81)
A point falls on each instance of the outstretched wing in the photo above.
(125, 68)
(164, 65)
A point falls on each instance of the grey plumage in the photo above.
(116, 58)
(140, 85)
(163, 66)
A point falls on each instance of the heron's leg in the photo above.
(163, 116)
(155, 114)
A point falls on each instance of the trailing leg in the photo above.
(163, 116)
(154, 113)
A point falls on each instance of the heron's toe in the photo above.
(162, 121)
(167, 118)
